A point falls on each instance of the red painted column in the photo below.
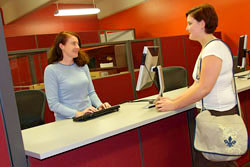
(4, 154)
(245, 101)
(167, 142)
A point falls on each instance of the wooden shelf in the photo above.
(96, 47)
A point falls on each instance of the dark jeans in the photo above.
(200, 161)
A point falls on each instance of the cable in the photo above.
(155, 82)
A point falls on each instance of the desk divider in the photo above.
(114, 89)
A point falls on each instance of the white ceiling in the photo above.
(2, 2)
(15, 9)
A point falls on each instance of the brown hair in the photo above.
(55, 52)
(207, 13)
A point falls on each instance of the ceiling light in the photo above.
(74, 12)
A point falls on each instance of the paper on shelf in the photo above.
(106, 65)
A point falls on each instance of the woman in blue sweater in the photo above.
(68, 85)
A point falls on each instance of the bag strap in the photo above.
(234, 83)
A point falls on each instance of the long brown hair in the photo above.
(55, 53)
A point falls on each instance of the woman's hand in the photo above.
(164, 104)
(104, 105)
(90, 109)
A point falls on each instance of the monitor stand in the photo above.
(159, 73)
(247, 75)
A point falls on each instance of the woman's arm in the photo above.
(91, 90)
(211, 67)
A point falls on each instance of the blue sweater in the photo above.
(69, 89)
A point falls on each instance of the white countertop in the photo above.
(50, 139)
(242, 84)
(57, 137)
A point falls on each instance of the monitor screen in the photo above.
(146, 74)
(242, 51)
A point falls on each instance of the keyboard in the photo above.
(99, 113)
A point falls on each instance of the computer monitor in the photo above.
(242, 51)
(149, 68)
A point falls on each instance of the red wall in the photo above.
(5, 161)
(43, 21)
(155, 18)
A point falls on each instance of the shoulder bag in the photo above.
(221, 138)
